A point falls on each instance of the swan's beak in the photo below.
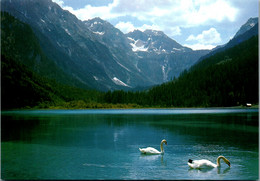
(227, 162)
(165, 142)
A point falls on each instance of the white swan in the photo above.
(153, 151)
(206, 163)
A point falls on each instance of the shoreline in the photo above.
(128, 107)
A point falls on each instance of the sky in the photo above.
(198, 24)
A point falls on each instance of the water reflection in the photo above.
(224, 171)
(75, 129)
(212, 170)
(152, 158)
(204, 128)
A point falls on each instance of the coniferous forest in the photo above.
(227, 78)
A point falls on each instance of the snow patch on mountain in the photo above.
(95, 23)
(42, 20)
(252, 24)
(136, 48)
(177, 49)
(119, 82)
(131, 39)
(123, 66)
(67, 31)
(137, 45)
(163, 71)
(99, 33)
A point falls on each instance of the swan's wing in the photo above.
(201, 164)
(149, 150)
(207, 163)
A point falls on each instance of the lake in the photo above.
(104, 144)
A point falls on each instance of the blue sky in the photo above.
(198, 24)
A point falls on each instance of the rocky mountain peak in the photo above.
(151, 32)
(153, 41)
(247, 26)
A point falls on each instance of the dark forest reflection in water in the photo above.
(103, 144)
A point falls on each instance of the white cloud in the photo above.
(172, 31)
(140, 6)
(206, 37)
(59, 2)
(186, 13)
(176, 14)
(173, 17)
(199, 46)
(207, 11)
(145, 27)
(125, 27)
(89, 12)
(206, 40)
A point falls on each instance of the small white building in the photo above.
(248, 104)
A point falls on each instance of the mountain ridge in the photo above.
(76, 44)
(240, 36)
(24, 83)
(97, 54)
(251, 22)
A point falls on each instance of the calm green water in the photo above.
(103, 144)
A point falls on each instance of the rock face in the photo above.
(99, 55)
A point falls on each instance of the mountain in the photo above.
(251, 22)
(149, 51)
(118, 45)
(74, 47)
(246, 31)
(94, 54)
(21, 87)
(228, 78)
(160, 57)
(19, 43)
(97, 54)
(23, 66)
(108, 34)
(29, 76)
(153, 41)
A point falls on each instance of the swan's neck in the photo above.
(162, 150)
(218, 160)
